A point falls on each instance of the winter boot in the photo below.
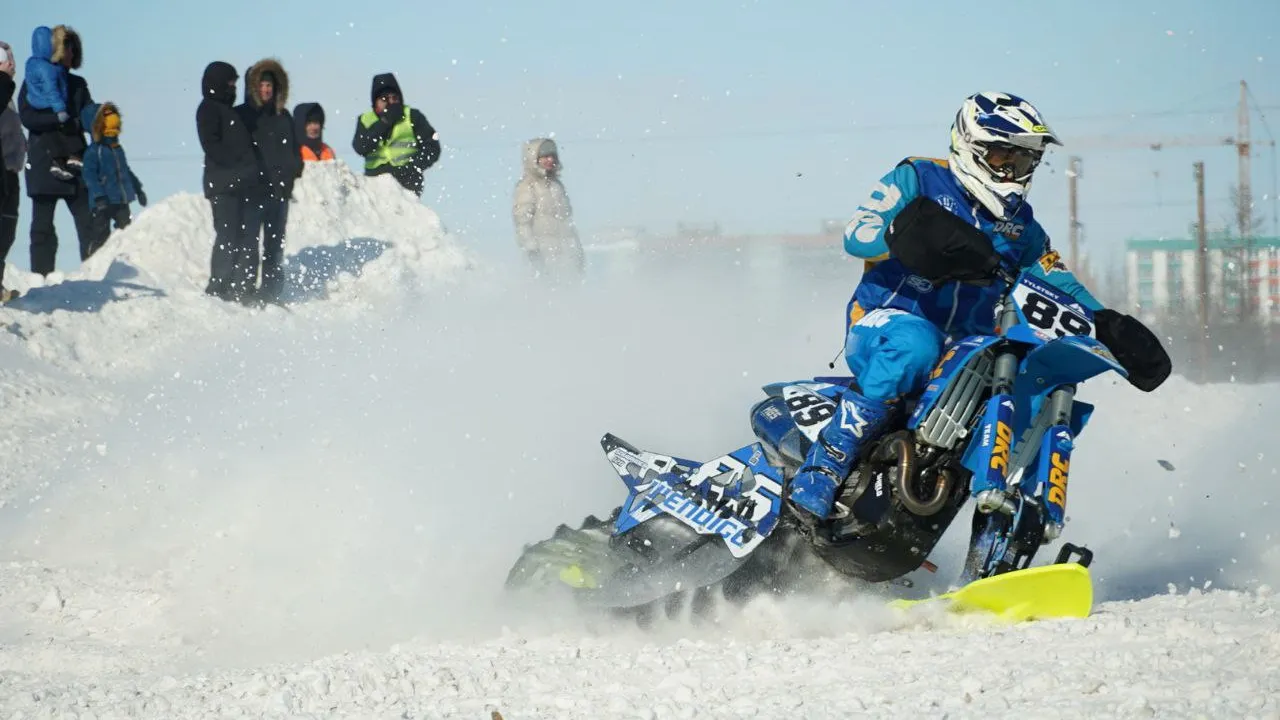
(858, 421)
(272, 278)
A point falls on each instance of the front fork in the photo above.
(1011, 523)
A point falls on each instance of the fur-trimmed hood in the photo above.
(536, 148)
(254, 75)
(92, 117)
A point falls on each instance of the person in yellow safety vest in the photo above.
(395, 138)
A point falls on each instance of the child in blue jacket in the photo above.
(107, 175)
(46, 81)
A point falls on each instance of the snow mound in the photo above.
(352, 239)
(334, 212)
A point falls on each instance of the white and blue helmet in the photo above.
(997, 141)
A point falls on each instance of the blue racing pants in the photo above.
(891, 352)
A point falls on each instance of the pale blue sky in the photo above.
(763, 116)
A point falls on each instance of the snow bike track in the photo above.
(213, 511)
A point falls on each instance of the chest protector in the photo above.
(955, 308)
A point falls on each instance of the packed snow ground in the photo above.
(211, 511)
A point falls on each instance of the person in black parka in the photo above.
(265, 112)
(13, 154)
(308, 126)
(43, 188)
(232, 180)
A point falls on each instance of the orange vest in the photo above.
(309, 155)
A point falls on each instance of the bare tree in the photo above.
(1244, 220)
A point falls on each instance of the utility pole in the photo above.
(1244, 211)
(1202, 272)
(1073, 218)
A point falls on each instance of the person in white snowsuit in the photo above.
(543, 215)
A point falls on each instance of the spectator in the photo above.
(13, 154)
(543, 216)
(266, 92)
(231, 179)
(395, 138)
(108, 178)
(43, 188)
(46, 80)
(308, 119)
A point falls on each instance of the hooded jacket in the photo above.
(373, 135)
(44, 74)
(542, 213)
(271, 127)
(41, 124)
(107, 175)
(230, 166)
(311, 150)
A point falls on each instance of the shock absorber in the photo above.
(1055, 460)
(989, 486)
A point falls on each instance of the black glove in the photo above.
(940, 246)
(100, 205)
(1137, 348)
(142, 197)
(393, 114)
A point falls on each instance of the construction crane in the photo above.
(1129, 142)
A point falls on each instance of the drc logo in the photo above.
(1009, 229)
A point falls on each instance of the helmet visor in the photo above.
(1010, 163)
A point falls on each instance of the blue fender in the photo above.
(1066, 360)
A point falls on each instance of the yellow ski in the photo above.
(1049, 591)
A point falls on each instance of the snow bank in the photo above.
(360, 240)
(355, 248)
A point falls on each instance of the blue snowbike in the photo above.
(996, 423)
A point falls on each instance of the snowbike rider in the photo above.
(932, 233)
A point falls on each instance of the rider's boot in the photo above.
(858, 421)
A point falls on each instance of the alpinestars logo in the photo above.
(852, 420)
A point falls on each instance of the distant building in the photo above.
(1162, 283)
(762, 258)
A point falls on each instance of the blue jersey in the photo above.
(955, 308)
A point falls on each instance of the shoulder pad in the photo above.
(914, 159)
